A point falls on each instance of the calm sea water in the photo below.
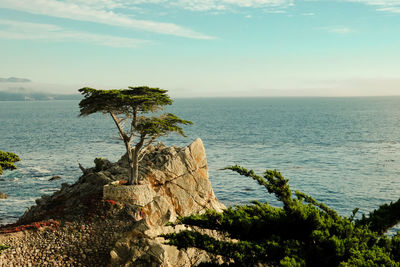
(343, 151)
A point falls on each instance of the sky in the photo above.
(203, 48)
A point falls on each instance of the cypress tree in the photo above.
(128, 109)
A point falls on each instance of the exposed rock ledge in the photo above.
(174, 182)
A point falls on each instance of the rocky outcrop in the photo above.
(71, 202)
(173, 182)
(143, 247)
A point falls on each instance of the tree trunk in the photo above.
(132, 157)
(133, 167)
(131, 164)
(135, 172)
(134, 164)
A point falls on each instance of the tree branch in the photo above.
(117, 121)
(124, 136)
(142, 153)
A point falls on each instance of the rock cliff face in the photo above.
(173, 182)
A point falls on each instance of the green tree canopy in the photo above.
(7, 160)
(131, 111)
(129, 102)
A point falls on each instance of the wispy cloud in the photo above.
(337, 29)
(390, 9)
(207, 5)
(381, 5)
(275, 11)
(99, 11)
(19, 30)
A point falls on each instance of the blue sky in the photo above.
(200, 48)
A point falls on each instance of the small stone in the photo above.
(114, 255)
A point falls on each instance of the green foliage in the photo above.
(128, 108)
(395, 247)
(382, 219)
(122, 101)
(7, 160)
(159, 126)
(304, 232)
(3, 247)
(8, 156)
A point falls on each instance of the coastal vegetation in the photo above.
(303, 232)
(128, 109)
(7, 161)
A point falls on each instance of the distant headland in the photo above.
(35, 96)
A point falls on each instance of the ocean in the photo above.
(344, 152)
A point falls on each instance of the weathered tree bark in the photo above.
(132, 176)
(134, 179)
(135, 165)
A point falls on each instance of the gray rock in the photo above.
(97, 179)
(102, 164)
(143, 247)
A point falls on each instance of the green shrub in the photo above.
(7, 160)
(303, 232)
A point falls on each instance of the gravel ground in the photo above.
(75, 243)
